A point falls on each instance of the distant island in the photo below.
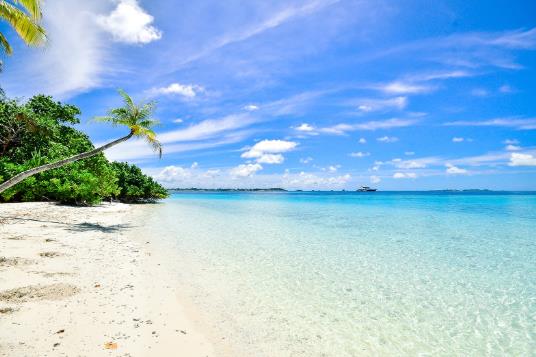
(194, 189)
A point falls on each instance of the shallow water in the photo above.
(326, 274)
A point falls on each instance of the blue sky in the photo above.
(312, 94)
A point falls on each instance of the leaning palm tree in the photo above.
(23, 16)
(135, 117)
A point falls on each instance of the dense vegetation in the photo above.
(41, 131)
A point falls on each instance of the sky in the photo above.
(312, 94)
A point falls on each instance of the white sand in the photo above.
(72, 281)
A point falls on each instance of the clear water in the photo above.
(384, 274)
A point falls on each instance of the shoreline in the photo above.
(74, 281)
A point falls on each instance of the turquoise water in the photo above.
(382, 274)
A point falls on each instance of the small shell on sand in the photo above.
(39, 292)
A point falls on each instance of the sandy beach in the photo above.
(74, 283)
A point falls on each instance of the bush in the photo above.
(134, 186)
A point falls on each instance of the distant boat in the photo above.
(366, 189)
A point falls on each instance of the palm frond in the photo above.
(135, 117)
(4, 44)
(127, 99)
(32, 6)
(155, 145)
(107, 119)
(23, 24)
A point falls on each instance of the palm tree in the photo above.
(24, 17)
(135, 117)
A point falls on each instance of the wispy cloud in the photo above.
(222, 131)
(75, 59)
(404, 175)
(468, 49)
(359, 154)
(341, 129)
(419, 83)
(387, 139)
(400, 87)
(272, 21)
(515, 123)
(373, 105)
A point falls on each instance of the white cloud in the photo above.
(454, 170)
(212, 173)
(424, 77)
(359, 154)
(271, 159)
(506, 89)
(251, 107)
(521, 124)
(333, 168)
(194, 165)
(409, 153)
(305, 127)
(306, 160)
(372, 105)
(245, 170)
(173, 174)
(519, 159)
(129, 23)
(511, 147)
(341, 129)
(410, 165)
(314, 181)
(178, 121)
(399, 87)
(362, 141)
(222, 131)
(184, 90)
(375, 179)
(269, 147)
(480, 92)
(457, 140)
(387, 139)
(404, 175)
(511, 142)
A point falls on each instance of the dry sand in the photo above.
(74, 283)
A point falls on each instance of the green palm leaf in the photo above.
(24, 20)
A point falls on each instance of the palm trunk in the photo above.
(25, 174)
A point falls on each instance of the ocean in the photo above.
(355, 274)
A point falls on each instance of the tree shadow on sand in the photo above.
(88, 227)
(77, 227)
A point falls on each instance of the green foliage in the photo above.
(135, 186)
(41, 132)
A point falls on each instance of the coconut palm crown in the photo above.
(138, 118)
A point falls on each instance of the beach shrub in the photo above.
(134, 186)
(41, 131)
